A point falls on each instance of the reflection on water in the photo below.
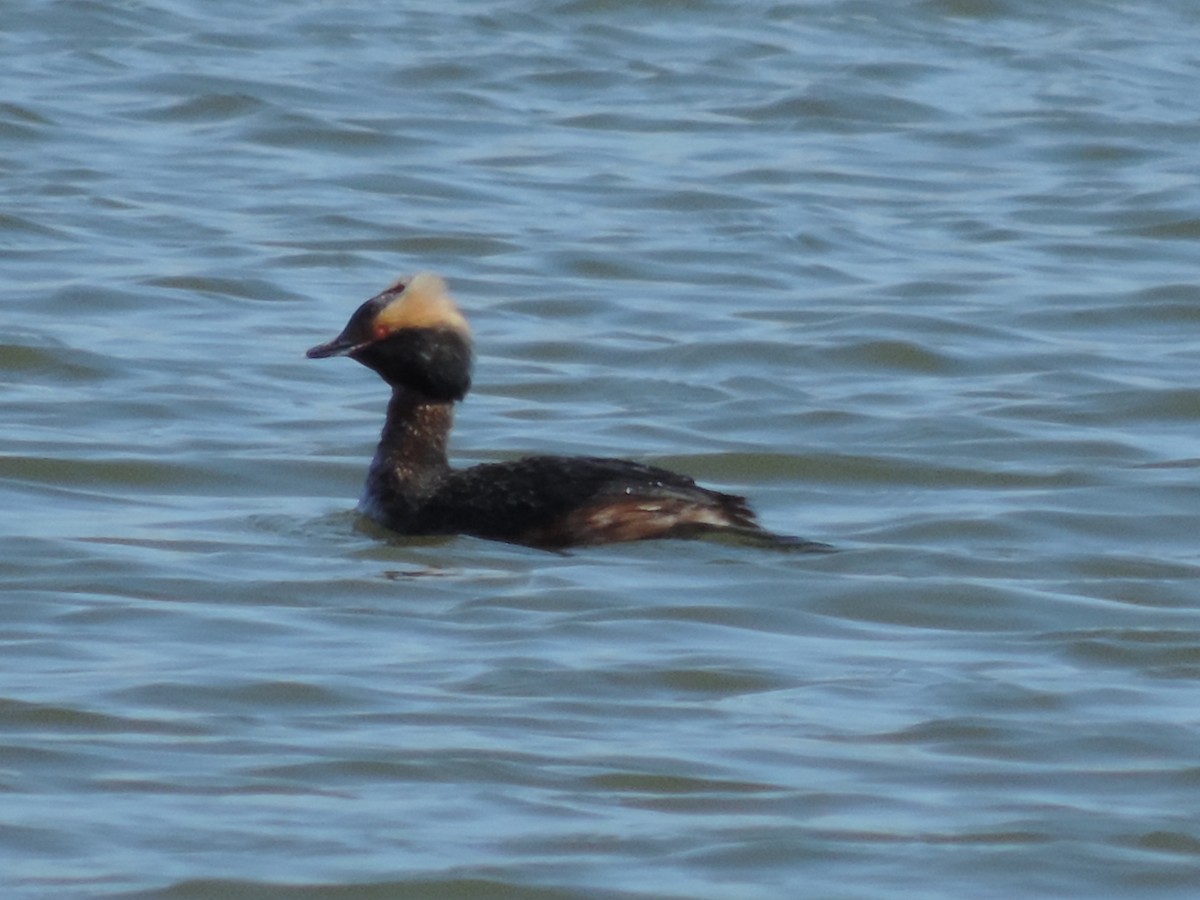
(917, 280)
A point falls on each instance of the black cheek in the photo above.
(448, 368)
(436, 362)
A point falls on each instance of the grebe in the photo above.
(414, 337)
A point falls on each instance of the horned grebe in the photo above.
(415, 338)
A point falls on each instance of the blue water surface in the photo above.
(917, 278)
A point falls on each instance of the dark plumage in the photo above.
(415, 338)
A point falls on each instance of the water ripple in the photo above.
(916, 279)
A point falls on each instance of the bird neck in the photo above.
(411, 456)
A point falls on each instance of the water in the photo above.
(918, 278)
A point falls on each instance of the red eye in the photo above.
(381, 331)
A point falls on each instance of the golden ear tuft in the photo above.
(422, 303)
